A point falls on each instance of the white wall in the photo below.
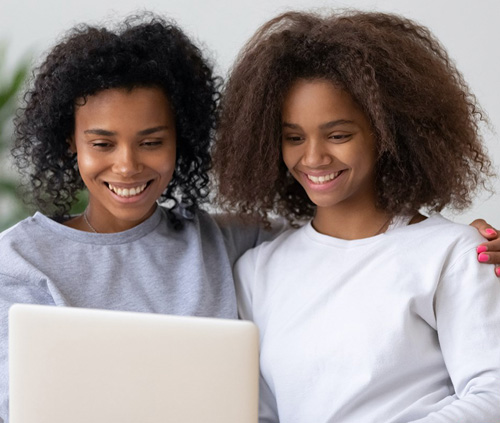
(469, 29)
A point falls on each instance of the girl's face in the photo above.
(328, 146)
(125, 143)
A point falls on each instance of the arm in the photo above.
(240, 235)
(468, 325)
(13, 291)
(488, 252)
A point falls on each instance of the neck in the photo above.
(99, 220)
(351, 224)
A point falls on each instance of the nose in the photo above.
(315, 154)
(127, 162)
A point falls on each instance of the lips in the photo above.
(129, 191)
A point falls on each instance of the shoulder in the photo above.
(13, 239)
(440, 230)
(460, 242)
(18, 242)
(199, 226)
(27, 228)
(193, 224)
(435, 240)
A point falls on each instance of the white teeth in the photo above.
(324, 178)
(126, 192)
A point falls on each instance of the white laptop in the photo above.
(73, 365)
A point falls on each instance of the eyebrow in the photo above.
(150, 131)
(325, 125)
(105, 133)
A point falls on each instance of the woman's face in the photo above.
(328, 146)
(125, 142)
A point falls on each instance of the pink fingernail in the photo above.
(483, 258)
(481, 249)
(490, 231)
(497, 271)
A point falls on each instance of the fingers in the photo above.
(486, 230)
(489, 252)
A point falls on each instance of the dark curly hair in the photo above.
(143, 51)
(424, 118)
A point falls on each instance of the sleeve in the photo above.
(14, 291)
(268, 410)
(240, 236)
(467, 307)
(244, 275)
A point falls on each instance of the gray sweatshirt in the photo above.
(149, 268)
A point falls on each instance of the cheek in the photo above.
(88, 166)
(359, 156)
(365, 168)
(165, 164)
(369, 160)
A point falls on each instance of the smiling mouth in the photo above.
(324, 178)
(128, 192)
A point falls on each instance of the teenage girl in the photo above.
(370, 312)
(127, 113)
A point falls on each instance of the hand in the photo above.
(488, 252)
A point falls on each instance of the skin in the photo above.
(125, 142)
(328, 147)
(125, 114)
(324, 133)
(490, 249)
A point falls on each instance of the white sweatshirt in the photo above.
(401, 327)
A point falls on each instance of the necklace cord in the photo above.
(88, 223)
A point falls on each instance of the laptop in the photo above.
(74, 365)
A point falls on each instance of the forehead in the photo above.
(317, 97)
(125, 106)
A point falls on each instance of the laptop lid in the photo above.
(80, 365)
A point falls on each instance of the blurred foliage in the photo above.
(81, 203)
(12, 206)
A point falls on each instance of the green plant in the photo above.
(12, 207)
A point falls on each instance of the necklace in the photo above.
(88, 223)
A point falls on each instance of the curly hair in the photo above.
(424, 118)
(143, 51)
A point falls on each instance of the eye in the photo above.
(101, 144)
(293, 139)
(339, 138)
(151, 143)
